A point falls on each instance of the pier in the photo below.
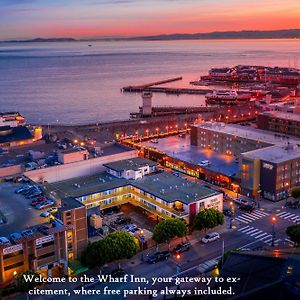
(166, 90)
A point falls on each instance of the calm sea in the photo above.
(73, 83)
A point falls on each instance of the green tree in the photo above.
(115, 246)
(296, 192)
(294, 233)
(96, 254)
(208, 218)
(168, 229)
(21, 283)
(121, 245)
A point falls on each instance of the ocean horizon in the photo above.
(72, 83)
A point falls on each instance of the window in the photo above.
(46, 255)
(21, 263)
(12, 254)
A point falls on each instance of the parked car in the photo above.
(44, 204)
(28, 190)
(210, 237)
(129, 227)
(158, 256)
(204, 163)
(14, 236)
(122, 221)
(183, 247)
(247, 207)
(53, 210)
(240, 201)
(38, 201)
(34, 194)
(28, 232)
(4, 240)
(134, 230)
(45, 214)
(23, 189)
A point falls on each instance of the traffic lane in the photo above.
(199, 253)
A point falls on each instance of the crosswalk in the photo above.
(289, 216)
(258, 234)
(247, 218)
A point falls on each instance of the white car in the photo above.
(241, 201)
(45, 214)
(204, 163)
(210, 237)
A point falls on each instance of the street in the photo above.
(251, 231)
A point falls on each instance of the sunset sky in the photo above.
(91, 18)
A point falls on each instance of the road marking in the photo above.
(293, 218)
(253, 234)
(252, 231)
(282, 213)
(243, 219)
(268, 240)
(266, 237)
(243, 228)
(252, 216)
(263, 234)
(248, 229)
(289, 241)
(262, 213)
(288, 216)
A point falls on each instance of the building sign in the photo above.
(12, 249)
(44, 240)
(268, 166)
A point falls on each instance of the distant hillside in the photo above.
(244, 34)
(41, 40)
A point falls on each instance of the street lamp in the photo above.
(142, 237)
(286, 193)
(167, 128)
(178, 268)
(147, 131)
(156, 129)
(232, 214)
(273, 230)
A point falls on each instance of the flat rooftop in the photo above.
(274, 154)
(69, 203)
(163, 185)
(283, 115)
(262, 136)
(181, 148)
(114, 149)
(172, 188)
(130, 164)
(82, 186)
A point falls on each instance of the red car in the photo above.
(38, 201)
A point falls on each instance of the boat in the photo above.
(154, 141)
(226, 97)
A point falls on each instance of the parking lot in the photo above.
(17, 210)
(181, 148)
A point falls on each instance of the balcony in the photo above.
(178, 213)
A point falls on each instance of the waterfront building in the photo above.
(281, 122)
(139, 182)
(269, 163)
